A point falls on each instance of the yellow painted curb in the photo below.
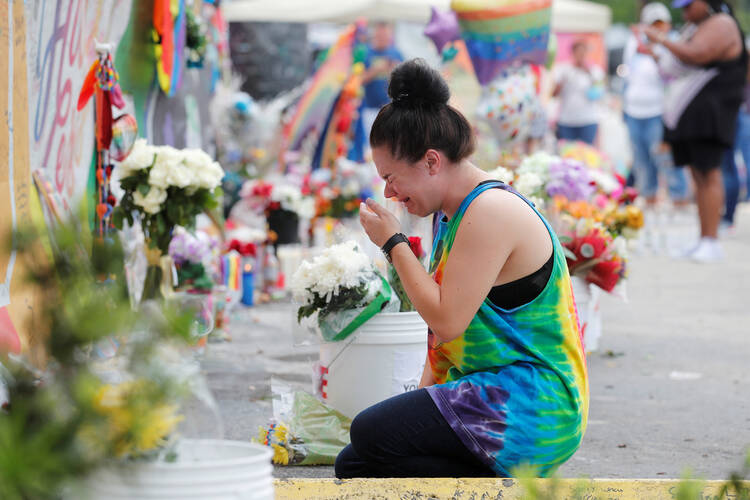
(490, 489)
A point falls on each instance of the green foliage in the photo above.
(181, 208)
(193, 275)
(84, 300)
(398, 288)
(195, 35)
(734, 488)
(347, 298)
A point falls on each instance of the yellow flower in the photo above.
(159, 423)
(280, 454)
(634, 217)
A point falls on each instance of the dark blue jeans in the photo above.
(729, 170)
(406, 436)
(585, 133)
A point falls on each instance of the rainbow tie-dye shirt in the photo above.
(513, 386)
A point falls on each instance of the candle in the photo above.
(248, 284)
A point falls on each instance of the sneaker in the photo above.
(708, 251)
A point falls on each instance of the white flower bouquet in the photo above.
(166, 187)
(338, 291)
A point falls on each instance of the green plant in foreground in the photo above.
(58, 424)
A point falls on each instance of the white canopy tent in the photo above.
(567, 15)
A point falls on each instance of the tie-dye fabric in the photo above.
(513, 386)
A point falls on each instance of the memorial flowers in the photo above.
(166, 187)
(338, 290)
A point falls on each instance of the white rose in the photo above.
(140, 157)
(180, 175)
(151, 203)
(158, 175)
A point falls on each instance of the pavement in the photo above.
(670, 382)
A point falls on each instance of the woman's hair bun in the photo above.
(415, 83)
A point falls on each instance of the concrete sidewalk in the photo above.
(670, 385)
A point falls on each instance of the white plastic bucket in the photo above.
(205, 469)
(587, 299)
(384, 358)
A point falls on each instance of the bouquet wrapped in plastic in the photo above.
(338, 291)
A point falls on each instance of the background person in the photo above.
(729, 169)
(579, 87)
(643, 102)
(382, 56)
(701, 105)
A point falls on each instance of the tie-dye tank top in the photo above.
(513, 386)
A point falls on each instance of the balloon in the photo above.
(501, 33)
(124, 133)
(509, 104)
(442, 28)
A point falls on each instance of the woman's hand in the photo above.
(378, 223)
(654, 35)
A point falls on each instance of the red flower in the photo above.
(415, 243)
(605, 275)
(244, 249)
(591, 246)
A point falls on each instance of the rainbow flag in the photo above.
(316, 103)
(499, 33)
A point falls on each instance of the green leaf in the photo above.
(117, 218)
(569, 253)
(144, 189)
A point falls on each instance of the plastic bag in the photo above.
(305, 431)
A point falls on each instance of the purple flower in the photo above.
(571, 179)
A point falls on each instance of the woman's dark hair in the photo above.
(419, 118)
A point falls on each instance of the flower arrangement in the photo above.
(338, 194)
(77, 410)
(592, 251)
(335, 287)
(194, 256)
(166, 187)
(263, 196)
(415, 243)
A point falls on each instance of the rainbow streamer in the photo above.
(317, 101)
(231, 267)
(499, 33)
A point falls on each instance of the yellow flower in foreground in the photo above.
(159, 423)
(136, 423)
(280, 454)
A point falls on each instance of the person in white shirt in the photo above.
(643, 102)
(579, 86)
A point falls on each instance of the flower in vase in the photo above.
(140, 157)
(151, 203)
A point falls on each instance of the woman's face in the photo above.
(695, 11)
(407, 183)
